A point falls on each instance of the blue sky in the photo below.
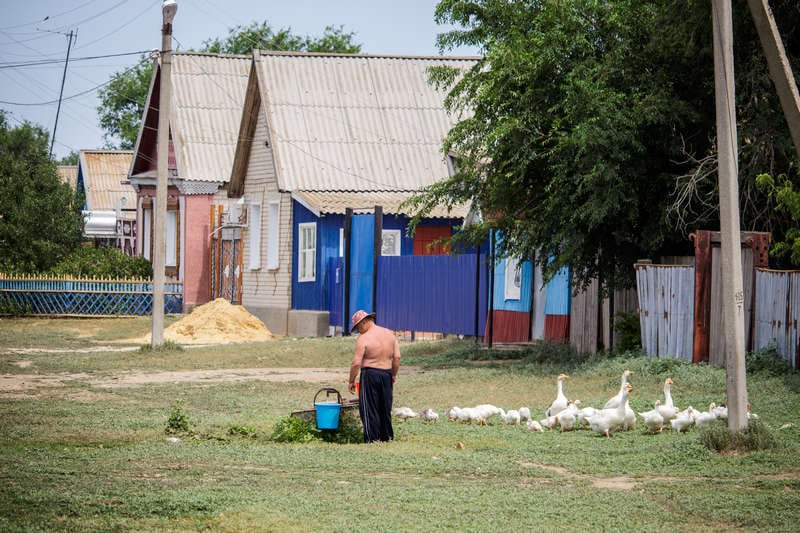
(33, 46)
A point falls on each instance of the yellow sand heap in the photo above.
(218, 322)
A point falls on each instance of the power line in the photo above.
(42, 62)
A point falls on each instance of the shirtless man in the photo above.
(377, 359)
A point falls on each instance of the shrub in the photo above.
(719, 438)
(244, 431)
(767, 361)
(294, 429)
(103, 262)
(628, 332)
(166, 346)
(177, 422)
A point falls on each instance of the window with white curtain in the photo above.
(254, 222)
(307, 252)
(390, 242)
(171, 259)
(147, 230)
(513, 280)
(273, 233)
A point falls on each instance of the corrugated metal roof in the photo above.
(354, 122)
(207, 99)
(103, 171)
(68, 174)
(338, 202)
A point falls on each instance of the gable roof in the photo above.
(207, 98)
(350, 123)
(102, 173)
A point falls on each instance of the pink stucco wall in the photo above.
(196, 266)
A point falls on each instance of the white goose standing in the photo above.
(667, 409)
(561, 402)
(606, 420)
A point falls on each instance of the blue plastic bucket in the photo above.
(327, 413)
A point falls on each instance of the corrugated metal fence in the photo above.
(84, 297)
(666, 311)
(433, 293)
(777, 308)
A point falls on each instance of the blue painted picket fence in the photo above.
(85, 297)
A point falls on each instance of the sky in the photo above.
(109, 36)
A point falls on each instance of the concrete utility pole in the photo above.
(728, 168)
(168, 9)
(779, 68)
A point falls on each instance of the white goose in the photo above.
(404, 413)
(607, 419)
(701, 418)
(617, 399)
(524, 414)
(511, 417)
(683, 420)
(566, 418)
(561, 402)
(668, 410)
(653, 420)
(429, 415)
(533, 425)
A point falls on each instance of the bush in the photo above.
(767, 361)
(299, 430)
(102, 262)
(294, 429)
(177, 422)
(628, 332)
(758, 436)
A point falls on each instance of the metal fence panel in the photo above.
(431, 293)
(84, 297)
(776, 309)
(666, 309)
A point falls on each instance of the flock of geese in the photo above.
(567, 415)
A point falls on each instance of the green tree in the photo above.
(590, 134)
(69, 159)
(40, 216)
(122, 100)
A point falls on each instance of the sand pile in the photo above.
(218, 322)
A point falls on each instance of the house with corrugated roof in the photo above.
(109, 200)
(206, 107)
(328, 149)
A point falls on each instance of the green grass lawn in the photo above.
(80, 454)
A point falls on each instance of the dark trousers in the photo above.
(375, 404)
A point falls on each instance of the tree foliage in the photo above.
(103, 261)
(261, 36)
(590, 135)
(40, 216)
(122, 101)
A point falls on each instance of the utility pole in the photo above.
(61, 93)
(728, 169)
(168, 9)
(779, 68)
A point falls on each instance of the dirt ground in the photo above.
(29, 383)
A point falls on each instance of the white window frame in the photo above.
(171, 255)
(307, 251)
(254, 222)
(273, 234)
(513, 279)
(391, 242)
